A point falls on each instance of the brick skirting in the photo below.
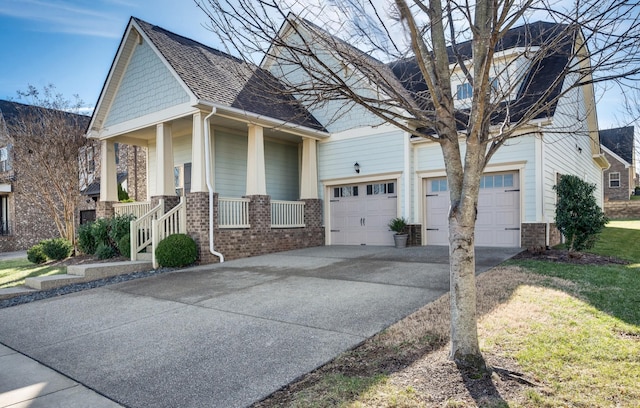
(622, 209)
(534, 235)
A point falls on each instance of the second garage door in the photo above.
(360, 213)
(498, 222)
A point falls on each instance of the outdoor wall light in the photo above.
(356, 167)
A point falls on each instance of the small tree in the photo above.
(578, 217)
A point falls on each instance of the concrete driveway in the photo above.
(230, 334)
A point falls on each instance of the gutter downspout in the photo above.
(207, 167)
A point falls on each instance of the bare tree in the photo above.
(400, 60)
(47, 135)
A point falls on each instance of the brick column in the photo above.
(104, 209)
(198, 224)
(260, 213)
(169, 201)
(312, 212)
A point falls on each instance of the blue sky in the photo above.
(72, 43)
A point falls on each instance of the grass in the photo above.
(573, 331)
(14, 272)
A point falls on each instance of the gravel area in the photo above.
(77, 287)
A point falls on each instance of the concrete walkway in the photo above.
(223, 335)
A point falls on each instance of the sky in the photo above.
(72, 43)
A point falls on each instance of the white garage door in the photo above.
(498, 221)
(360, 213)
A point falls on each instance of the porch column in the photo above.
(256, 179)
(198, 181)
(165, 185)
(108, 172)
(309, 173)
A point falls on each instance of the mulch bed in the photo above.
(559, 255)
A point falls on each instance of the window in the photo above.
(4, 215)
(614, 180)
(465, 91)
(439, 185)
(497, 180)
(5, 164)
(382, 188)
(347, 191)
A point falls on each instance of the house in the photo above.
(619, 148)
(22, 221)
(246, 170)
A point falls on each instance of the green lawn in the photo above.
(586, 344)
(14, 272)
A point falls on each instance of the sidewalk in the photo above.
(31, 384)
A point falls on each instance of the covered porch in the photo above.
(240, 185)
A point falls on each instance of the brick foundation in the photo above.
(534, 235)
(415, 234)
(259, 239)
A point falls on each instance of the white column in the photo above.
(309, 173)
(198, 181)
(165, 185)
(108, 172)
(256, 179)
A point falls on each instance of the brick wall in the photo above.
(616, 193)
(534, 235)
(415, 234)
(260, 238)
(622, 209)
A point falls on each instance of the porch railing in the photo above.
(136, 209)
(141, 229)
(173, 222)
(287, 214)
(233, 213)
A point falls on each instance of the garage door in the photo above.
(360, 213)
(498, 222)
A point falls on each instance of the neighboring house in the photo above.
(261, 175)
(22, 222)
(619, 148)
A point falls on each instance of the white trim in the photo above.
(364, 131)
(618, 180)
(5, 188)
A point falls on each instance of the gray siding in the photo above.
(147, 86)
(281, 166)
(230, 164)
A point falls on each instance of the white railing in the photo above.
(173, 222)
(135, 209)
(233, 213)
(140, 229)
(287, 214)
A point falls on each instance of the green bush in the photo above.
(105, 251)
(124, 246)
(123, 196)
(36, 255)
(57, 248)
(86, 241)
(100, 231)
(177, 250)
(118, 227)
(578, 216)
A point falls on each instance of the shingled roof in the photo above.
(217, 77)
(547, 70)
(11, 112)
(619, 141)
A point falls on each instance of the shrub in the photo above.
(397, 225)
(124, 246)
(177, 250)
(105, 251)
(578, 217)
(57, 248)
(117, 228)
(36, 255)
(100, 231)
(123, 196)
(86, 241)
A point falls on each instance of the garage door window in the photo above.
(439, 185)
(347, 191)
(498, 180)
(382, 188)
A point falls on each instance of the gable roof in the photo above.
(620, 141)
(213, 76)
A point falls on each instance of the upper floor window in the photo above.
(614, 180)
(465, 91)
(5, 164)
